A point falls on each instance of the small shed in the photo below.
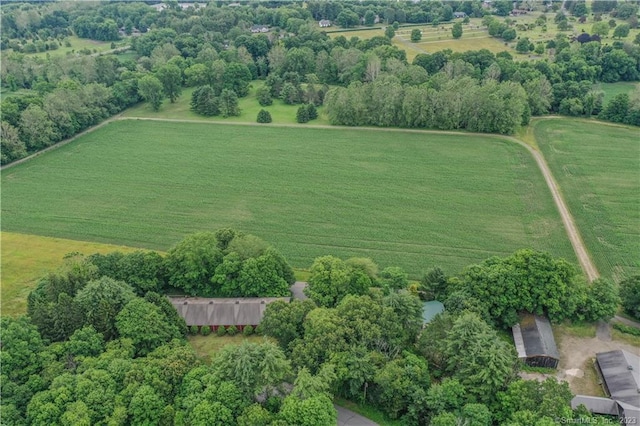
(430, 310)
(534, 341)
(324, 23)
(215, 312)
(459, 15)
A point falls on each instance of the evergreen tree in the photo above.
(264, 116)
(302, 116)
(312, 112)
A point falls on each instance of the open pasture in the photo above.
(611, 90)
(598, 168)
(410, 199)
(281, 113)
(27, 258)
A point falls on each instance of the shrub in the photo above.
(302, 116)
(221, 331)
(416, 35)
(626, 329)
(264, 116)
(193, 330)
(312, 112)
(264, 96)
(232, 330)
(247, 331)
(205, 330)
(258, 330)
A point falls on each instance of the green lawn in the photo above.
(207, 346)
(249, 108)
(612, 89)
(409, 199)
(598, 169)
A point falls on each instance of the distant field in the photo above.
(612, 89)
(408, 199)
(27, 258)
(598, 169)
(281, 113)
(475, 36)
(77, 44)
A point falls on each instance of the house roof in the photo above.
(222, 311)
(534, 337)
(595, 404)
(621, 373)
(325, 21)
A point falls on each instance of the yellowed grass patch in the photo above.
(27, 258)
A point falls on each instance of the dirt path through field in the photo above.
(567, 219)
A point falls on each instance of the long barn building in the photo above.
(215, 312)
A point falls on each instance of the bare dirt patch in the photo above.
(579, 353)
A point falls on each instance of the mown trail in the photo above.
(577, 243)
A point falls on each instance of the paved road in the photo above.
(603, 331)
(349, 418)
(297, 289)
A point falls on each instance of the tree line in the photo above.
(102, 344)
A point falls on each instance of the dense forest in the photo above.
(101, 344)
(360, 81)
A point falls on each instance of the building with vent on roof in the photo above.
(534, 341)
(619, 372)
(214, 312)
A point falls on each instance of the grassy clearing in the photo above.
(409, 199)
(613, 89)
(368, 411)
(625, 337)
(249, 108)
(207, 346)
(583, 330)
(596, 166)
(27, 258)
(77, 44)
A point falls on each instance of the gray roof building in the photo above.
(620, 373)
(534, 341)
(239, 312)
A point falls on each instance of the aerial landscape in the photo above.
(320, 212)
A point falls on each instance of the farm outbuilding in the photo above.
(619, 372)
(214, 312)
(534, 341)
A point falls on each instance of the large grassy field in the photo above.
(598, 169)
(27, 258)
(409, 199)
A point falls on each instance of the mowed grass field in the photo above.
(611, 90)
(414, 200)
(598, 169)
(25, 259)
